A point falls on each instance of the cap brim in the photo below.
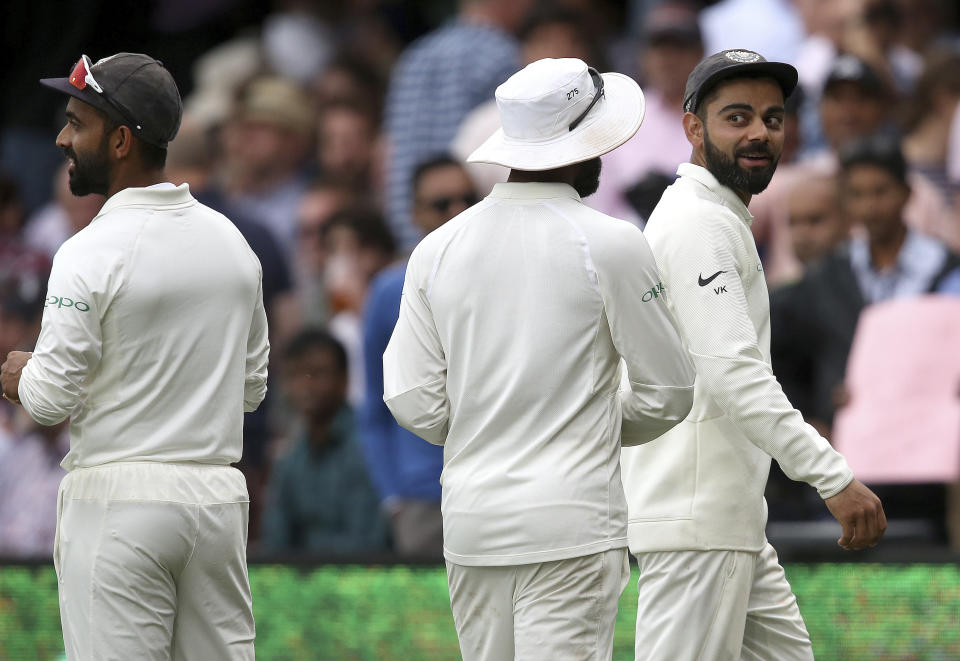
(86, 95)
(610, 123)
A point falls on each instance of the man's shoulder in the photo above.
(685, 206)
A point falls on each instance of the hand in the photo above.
(860, 513)
(10, 374)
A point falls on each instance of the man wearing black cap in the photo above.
(153, 344)
(710, 585)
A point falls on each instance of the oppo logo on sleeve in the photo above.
(64, 302)
(653, 293)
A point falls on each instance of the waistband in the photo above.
(198, 484)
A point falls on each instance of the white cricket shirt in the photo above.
(154, 337)
(513, 322)
(701, 486)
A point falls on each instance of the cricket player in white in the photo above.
(710, 585)
(153, 344)
(515, 318)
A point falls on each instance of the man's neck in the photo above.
(885, 252)
(564, 175)
(139, 179)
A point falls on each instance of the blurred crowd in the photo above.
(334, 135)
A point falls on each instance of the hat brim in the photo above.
(88, 96)
(785, 75)
(610, 123)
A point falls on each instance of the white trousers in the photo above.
(151, 563)
(551, 611)
(717, 606)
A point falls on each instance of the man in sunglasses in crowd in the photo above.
(406, 470)
(515, 318)
(153, 344)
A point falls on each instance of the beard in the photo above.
(91, 174)
(588, 177)
(731, 175)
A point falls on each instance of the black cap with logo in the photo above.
(132, 89)
(734, 63)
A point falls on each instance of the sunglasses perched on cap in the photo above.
(598, 86)
(443, 204)
(81, 77)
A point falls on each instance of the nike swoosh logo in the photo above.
(704, 282)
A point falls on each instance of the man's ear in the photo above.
(121, 142)
(693, 128)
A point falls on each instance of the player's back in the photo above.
(176, 287)
(531, 456)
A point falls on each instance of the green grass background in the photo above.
(351, 613)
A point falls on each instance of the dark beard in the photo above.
(588, 177)
(92, 173)
(732, 175)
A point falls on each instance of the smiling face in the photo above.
(737, 133)
(84, 140)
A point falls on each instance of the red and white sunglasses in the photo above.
(82, 75)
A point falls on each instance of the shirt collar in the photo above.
(727, 197)
(512, 190)
(157, 195)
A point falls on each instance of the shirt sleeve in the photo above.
(414, 364)
(258, 352)
(658, 383)
(705, 279)
(52, 384)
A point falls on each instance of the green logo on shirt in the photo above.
(64, 302)
(653, 293)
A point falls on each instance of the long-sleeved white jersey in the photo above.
(701, 485)
(514, 320)
(154, 337)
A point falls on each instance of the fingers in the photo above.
(847, 535)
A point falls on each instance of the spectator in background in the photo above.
(817, 223)
(348, 78)
(406, 470)
(549, 30)
(672, 48)
(437, 80)
(320, 497)
(348, 147)
(62, 217)
(322, 200)
(855, 102)
(266, 144)
(358, 245)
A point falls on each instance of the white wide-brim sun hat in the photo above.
(539, 104)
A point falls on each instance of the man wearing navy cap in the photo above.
(153, 343)
(710, 584)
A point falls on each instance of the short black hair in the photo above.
(880, 150)
(367, 223)
(310, 339)
(441, 160)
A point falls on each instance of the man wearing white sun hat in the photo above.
(515, 320)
